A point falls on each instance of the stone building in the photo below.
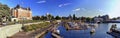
(21, 13)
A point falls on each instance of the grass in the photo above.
(36, 26)
(30, 21)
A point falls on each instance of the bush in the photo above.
(36, 26)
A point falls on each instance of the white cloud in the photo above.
(83, 9)
(41, 1)
(65, 4)
(100, 10)
(78, 9)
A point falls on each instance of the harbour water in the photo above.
(100, 32)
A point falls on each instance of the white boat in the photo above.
(75, 24)
(58, 31)
(92, 31)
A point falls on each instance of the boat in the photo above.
(114, 31)
(58, 31)
(114, 34)
(92, 31)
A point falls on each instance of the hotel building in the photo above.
(20, 13)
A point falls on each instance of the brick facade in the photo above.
(20, 13)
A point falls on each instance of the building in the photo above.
(103, 18)
(97, 19)
(20, 13)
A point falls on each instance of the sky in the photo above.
(88, 8)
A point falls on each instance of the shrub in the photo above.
(36, 26)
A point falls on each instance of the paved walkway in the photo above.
(26, 23)
(20, 35)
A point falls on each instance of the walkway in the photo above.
(31, 35)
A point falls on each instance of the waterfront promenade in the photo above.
(16, 31)
(34, 34)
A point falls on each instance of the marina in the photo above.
(100, 32)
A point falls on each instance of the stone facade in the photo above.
(20, 13)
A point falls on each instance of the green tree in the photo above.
(88, 19)
(57, 18)
(74, 17)
(4, 11)
(36, 18)
(49, 17)
(114, 18)
(52, 18)
(83, 19)
(43, 18)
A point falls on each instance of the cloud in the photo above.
(41, 1)
(65, 4)
(77, 9)
(102, 11)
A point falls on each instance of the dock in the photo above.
(77, 27)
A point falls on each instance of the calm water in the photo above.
(100, 32)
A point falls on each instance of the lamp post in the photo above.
(23, 18)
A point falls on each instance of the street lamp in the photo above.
(23, 18)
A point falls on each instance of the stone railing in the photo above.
(9, 30)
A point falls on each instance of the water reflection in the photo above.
(100, 32)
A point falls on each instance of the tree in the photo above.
(49, 16)
(70, 17)
(36, 18)
(114, 18)
(4, 11)
(52, 17)
(83, 19)
(88, 19)
(57, 18)
(74, 17)
(43, 18)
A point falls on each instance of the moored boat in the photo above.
(92, 31)
(114, 31)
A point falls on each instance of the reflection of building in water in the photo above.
(20, 13)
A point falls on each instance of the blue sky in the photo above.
(88, 8)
